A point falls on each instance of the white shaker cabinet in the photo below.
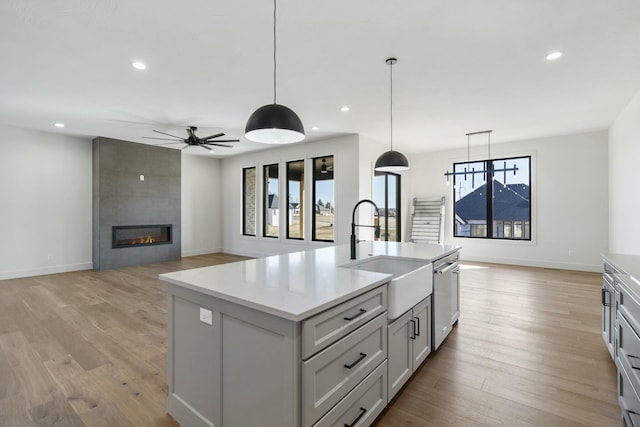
(409, 339)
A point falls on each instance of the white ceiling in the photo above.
(463, 66)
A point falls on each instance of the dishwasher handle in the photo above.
(447, 269)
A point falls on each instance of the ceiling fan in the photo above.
(193, 140)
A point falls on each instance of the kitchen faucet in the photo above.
(354, 225)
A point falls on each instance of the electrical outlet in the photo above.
(570, 252)
(206, 316)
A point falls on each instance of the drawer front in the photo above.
(628, 344)
(360, 407)
(331, 374)
(628, 398)
(628, 304)
(329, 326)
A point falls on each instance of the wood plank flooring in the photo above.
(527, 351)
(89, 349)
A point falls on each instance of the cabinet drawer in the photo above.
(329, 326)
(628, 344)
(629, 303)
(331, 374)
(360, 407)
(628, 399)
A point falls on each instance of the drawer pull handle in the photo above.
(362, 356)
(604, 298)
(362, 412)
(413, 329)
(355, 316)
(417, 324)
(631, 356)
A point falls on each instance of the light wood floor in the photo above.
(527, 351)
(89, 349)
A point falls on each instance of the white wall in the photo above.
(45, 203)
(569, 200)
(624, 180)
(345, 152)
(202, 205)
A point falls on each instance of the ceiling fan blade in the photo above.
(170, 143)
(163, 139)
(168, 134)
(216, 144)
(185, 147)
(223, 140)
(204, 146)
(217, 135)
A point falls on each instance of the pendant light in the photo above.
(274, 123)
(391, 161)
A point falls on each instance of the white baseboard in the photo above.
(245, 253)
(597, 268)
(5, 275)
(201, 252)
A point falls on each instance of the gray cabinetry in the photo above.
(331, 374)
(239, 370)
(231, 365)
(628, 348)
(608, 306)
(409, 339)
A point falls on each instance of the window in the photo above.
(295, 200)
(498, 211)
(249, 201)
(323, 199)
(271, 189)
(386, 194)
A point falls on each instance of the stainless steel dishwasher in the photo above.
(446, 297)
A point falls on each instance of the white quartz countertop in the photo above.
(299, 285)
(629, 264)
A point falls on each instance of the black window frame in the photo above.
(244, 202)
(287, 233)
(313, 195)
(489, 168)
(265, 199)
(398, 205)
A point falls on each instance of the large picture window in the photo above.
(323, 199)
(249, 201)
(271, 190)
(386, 195)
(295, 200)
(492, 200)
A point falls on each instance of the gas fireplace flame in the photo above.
(142, 240)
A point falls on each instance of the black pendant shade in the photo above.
(392, 161)
(274, 124)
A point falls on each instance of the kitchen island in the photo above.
(297, 339)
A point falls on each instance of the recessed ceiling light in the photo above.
(315, 128)
(344, 108)
(553, 55)
(139, 65)
(59, 125)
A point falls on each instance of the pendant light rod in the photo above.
(274, 52)
(390, 62)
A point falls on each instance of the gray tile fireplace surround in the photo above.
(121, 198)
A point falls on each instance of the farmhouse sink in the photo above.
(411, 281)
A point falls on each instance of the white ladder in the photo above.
(427, 220)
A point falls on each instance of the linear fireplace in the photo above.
(127, 236)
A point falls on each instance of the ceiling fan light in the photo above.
(274, 124)
(392, 161)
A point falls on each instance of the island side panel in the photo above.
(254, 362)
